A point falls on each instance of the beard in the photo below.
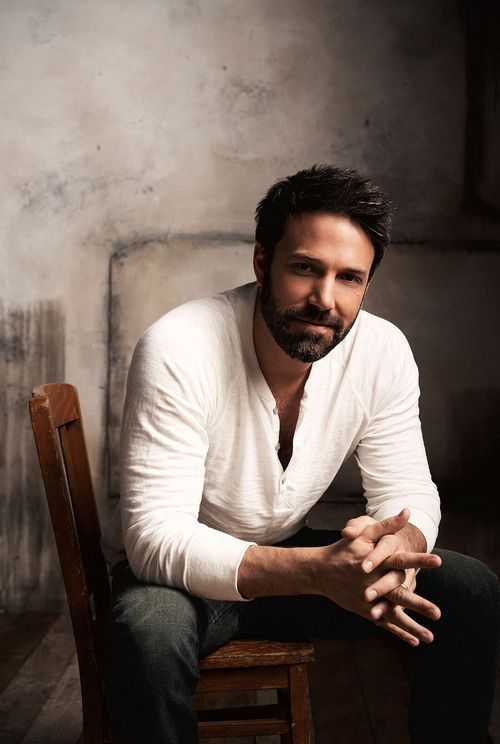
(306, 345)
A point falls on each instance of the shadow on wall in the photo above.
(444, 297)
(474, 435)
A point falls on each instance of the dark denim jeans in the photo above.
(157, 633)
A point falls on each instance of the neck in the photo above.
(278, 368)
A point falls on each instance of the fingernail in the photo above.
(371, 594)
(367, 567)
(377, 613)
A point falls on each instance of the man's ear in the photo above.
(259, 263)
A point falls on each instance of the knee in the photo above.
(466, 588)
(154, 627)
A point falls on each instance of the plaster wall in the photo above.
(125, 121)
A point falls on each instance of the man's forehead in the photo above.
(320, 230)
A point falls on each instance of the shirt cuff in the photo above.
(213, 573)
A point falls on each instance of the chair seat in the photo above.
(255, 653)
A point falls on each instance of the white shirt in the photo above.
(200, 475)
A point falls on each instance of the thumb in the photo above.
(354, 527)
(388, 526)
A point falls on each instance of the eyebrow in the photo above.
(347, 269)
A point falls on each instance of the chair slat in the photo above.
(251, 678)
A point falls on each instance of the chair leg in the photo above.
(285, 712)
(299, 705)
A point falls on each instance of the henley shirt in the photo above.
(200, 475)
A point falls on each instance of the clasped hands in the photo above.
(375, 566)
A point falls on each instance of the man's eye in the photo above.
(350, 278)
(305, 267)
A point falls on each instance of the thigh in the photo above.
(466, 591)
(303, 616)
(158, 618)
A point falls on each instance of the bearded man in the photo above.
(240, 410)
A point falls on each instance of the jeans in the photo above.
(157, 633)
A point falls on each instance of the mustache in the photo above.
(313, 315)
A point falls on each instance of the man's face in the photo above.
(313, 290)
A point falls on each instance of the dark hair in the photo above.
(324, 188)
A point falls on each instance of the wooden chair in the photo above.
(239, 665)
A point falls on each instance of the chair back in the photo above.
(62, 453)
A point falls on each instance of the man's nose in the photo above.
(323, 293)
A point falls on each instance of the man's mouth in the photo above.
(314, 323)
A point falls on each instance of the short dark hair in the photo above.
(324, 188)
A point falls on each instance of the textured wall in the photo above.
(125, 121)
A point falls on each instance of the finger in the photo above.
(411, 601)
(385, 547)
(380, 608)
(399, 632)
(403, 559)
(397, 616)
(354, 527)
(411, 579)
(402, 562)
(388, 526)
(404, 597)
(389, 582)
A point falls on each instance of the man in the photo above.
(240, 410)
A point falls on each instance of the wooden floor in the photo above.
(359, 689)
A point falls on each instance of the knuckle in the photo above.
(398, 576)
(399, 561)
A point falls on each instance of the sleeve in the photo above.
(163, 448)
(391, 453)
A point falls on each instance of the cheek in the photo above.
(357, 302)
(349, 302)
(289, 290)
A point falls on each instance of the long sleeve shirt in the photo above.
(200, 475)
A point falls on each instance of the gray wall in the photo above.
(124, 122)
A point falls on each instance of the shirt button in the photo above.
(283, 480)
(277, 447)
(275, 410)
